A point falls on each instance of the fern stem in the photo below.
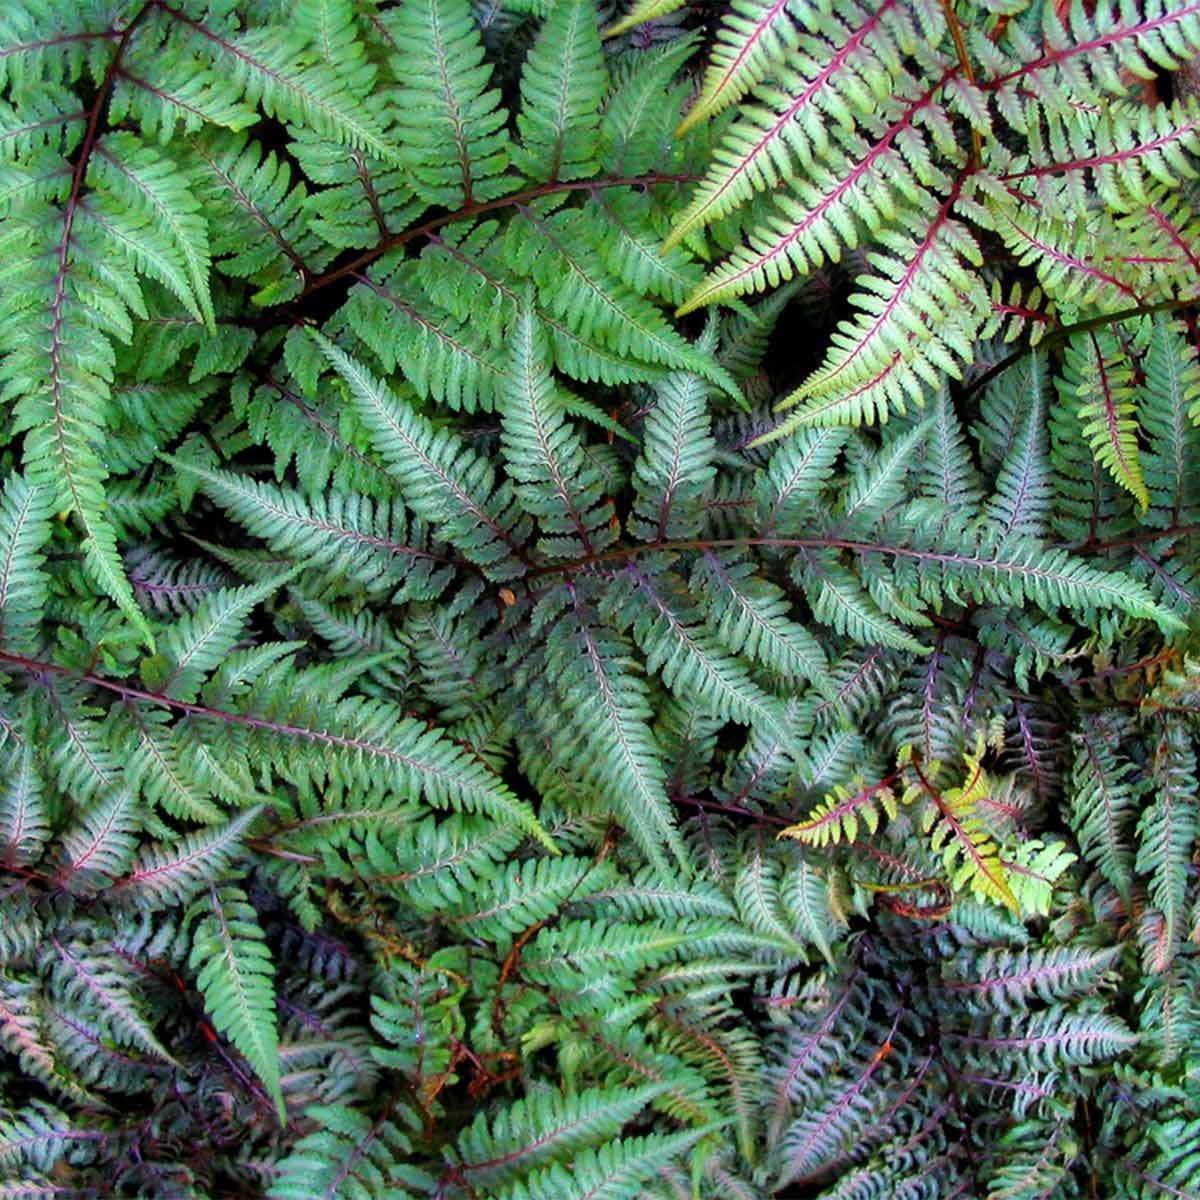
(470, 211)
(128, 692)
(968, 70)
(734, 810)
(620, 553)
(1108, 37)
(1140, 539)
(1062, 332)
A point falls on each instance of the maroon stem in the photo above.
(33, 666)
(471, 211)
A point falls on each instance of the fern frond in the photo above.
(673, 475)
(526, 1134)
(1022, 497)
(1096, 372)
(235, 973)
(1018, 571)
(1168, 408)
(580, 291)
(614, 746)
(265, 67)
(754, 36)
(89, 978)
(149, 183)
(648, 896)
(815, 1141)
(691, 661)
(1035, 867)
(165, 875)
(164, 93)
(960, 837)
(24, 1036)
(39, 1135)
(644, 101)
(562, 86)
(157, 767)
(838, 600)
(24, 819)
(617, 1170)
(441, 478)
(350, 1154)
(878, 483)
(440, 862)
(544, 453)
(450, 126)
(794, 476)
(1049, 1040)
(876, 366)
(598, 959)
(635, 256)
(346, 536)
(361, 636)
(1175, 1146)
(24, 530)
(58, 370)
(198, 643)
(442, 355)
(749, 615)
(1167, 840)
(326, 746)
(948, 474)
(263, 236)
(641, 12)
(706, 1035)
(838, 816)
(787, 126)
(525, 895)
(1106, 794)
(99, 848)
(757, 893)
(1007, 980)
(809, 900)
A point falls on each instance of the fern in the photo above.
(1167, 833)
(840, 814)
(543, 453)
(472, 724)
(349, 1153)
(959, 837)
(235, 978)
(561, 89)
(902, 178)
(22, 585)
(451, 81)
(544, 1128)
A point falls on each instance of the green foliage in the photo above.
(454, 744)
(912, 135)
(235, 976)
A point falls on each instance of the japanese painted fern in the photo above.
(445, 752)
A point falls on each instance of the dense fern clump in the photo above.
(491, 706)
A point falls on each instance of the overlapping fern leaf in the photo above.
(916, 133)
